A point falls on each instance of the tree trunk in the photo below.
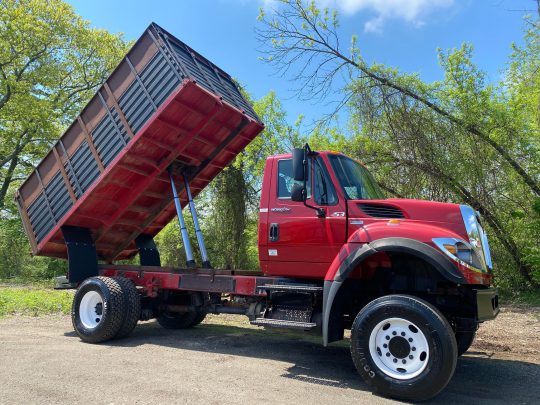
(8, 178)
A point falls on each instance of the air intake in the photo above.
(381, 211)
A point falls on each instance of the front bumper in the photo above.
(487, 304)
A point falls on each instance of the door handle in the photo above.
(274, 232)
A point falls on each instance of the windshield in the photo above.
(356, 181)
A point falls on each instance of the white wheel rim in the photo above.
(399, 348)
(91, 309)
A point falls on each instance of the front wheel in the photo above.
(464, 340)
(403, 347)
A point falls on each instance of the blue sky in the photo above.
(400, 33)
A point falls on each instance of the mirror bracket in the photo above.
(300, 166)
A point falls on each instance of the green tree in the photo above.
(51, 63)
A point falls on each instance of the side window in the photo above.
(285, 179)
(323, 189)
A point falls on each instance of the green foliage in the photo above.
(16, 260)
(227, 224)
(33, 301)
(417, 152)
(51, 63)
(532, 240)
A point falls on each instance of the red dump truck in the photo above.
(410, 279)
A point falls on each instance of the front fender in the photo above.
(352, 254)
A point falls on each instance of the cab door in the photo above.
(300, 244)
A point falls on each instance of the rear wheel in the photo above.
(200, 317)
(174, 320)
(133, 306)
(182, 320)
(98, 309)
(403, 347)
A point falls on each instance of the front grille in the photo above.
(381, 211)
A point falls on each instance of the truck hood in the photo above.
(417, 210)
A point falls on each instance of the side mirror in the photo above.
(298, 193)
(298, 158)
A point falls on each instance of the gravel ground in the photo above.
(225, 360)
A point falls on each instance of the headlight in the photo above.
(473, 253)
(462, 252)
(477, 236)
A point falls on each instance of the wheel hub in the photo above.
(399, 348)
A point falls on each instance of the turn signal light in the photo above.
(451, 248)
(394, 221)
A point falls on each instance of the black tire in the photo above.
(175, 320)
(200, 317)
(133, 306)
(186, 320)
(435, 333)
(110, 314)
(202, 298)
(464, 340)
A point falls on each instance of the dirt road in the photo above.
(225, 360)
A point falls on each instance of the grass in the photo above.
(528, 298)
(29, 283)
(32, 300)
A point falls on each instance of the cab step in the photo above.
(291, 288)
(280, 323)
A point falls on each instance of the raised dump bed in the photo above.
(164, 105)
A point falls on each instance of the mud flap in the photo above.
(82, 256)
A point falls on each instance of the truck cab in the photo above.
(344, 205)
(324, 217)
(294, 240)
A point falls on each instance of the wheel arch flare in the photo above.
(352, 255)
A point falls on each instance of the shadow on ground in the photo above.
(478, 377)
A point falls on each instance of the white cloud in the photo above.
(412, 11)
